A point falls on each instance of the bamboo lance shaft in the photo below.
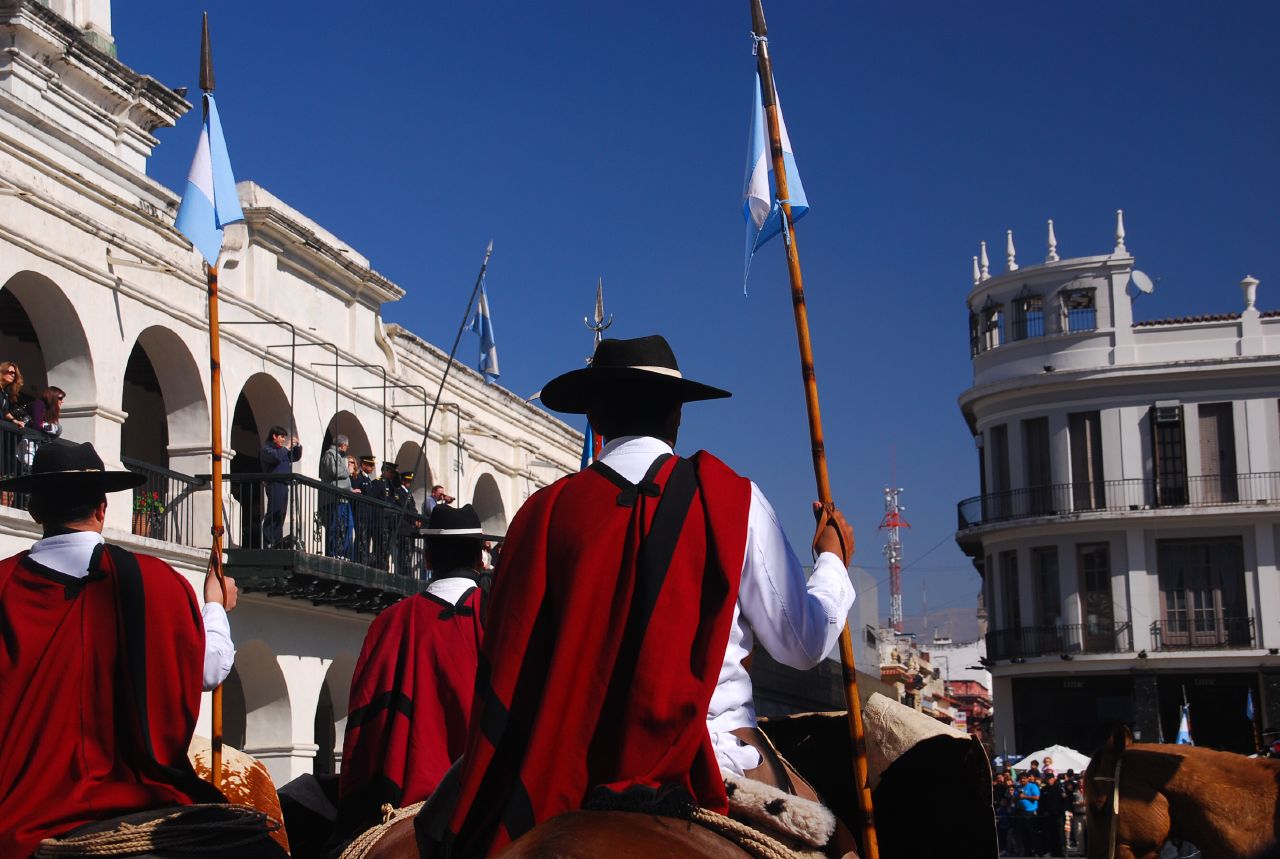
(215, 552)
(870, 842)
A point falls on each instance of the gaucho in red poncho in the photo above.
(608, 624)
(100, 676)
(412, 688)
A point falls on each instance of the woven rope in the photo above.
(130, 839)
(751, 840)
(364, 842)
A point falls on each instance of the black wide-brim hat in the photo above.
(67, 467)
(646, 364)
(455, 522)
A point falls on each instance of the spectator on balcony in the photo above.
(384, 489)
(335, 507)
(80, 616)
(14, 416)
(365, 515)
(46, 421)
(437, 496)
(412, 688)
(277, 457)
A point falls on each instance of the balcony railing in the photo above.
(294, 513)
(17, 449)
(1192, 634)
(1063, 499)
(1070, 639)
(164, 508)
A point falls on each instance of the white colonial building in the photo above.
(1129, 509)
(103, 298)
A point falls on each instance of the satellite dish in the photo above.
(1141, 282)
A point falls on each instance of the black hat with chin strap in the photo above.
(63, 467)
(646, 364)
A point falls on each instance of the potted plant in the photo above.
(148, 513)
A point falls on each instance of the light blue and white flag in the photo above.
(1249, 712)
(209, 202)
(1184, 727)
(588, 447)
(482, 324)
(760, 205)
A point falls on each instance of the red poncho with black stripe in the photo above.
(100, 681)
(610, 616)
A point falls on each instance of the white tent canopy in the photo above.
(1064, 759)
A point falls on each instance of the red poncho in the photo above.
(410, 703)
(99, 689)
(604, 643)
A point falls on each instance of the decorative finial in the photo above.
(977, 273)
(599, 324)
(1249, 286)
(982, 260)
(206, 58)
(1010, 253)
(1053, 244)
(1120, 248)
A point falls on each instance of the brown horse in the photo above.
(1225, 804)
(245, 781)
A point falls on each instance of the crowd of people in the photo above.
(1039, 811)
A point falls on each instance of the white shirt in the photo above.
(797, 621)
(70, 554)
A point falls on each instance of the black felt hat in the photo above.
(61, 467)
(644, 363)
(447, 522)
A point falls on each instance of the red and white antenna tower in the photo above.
(892, 522)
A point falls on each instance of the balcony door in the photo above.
(1202, 593)
(1169, 447)
(1088, 492)
(1099, 612)
(1035, 446)
(1217, 454)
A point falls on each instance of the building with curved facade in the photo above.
(1128, 517)
(103, 298)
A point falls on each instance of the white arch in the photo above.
(182, 386)
(268, 724)
(64, 349)
(486, 498)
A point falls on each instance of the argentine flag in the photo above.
(760, 205)
(483, 325)
(1184, 727)
(209, 202)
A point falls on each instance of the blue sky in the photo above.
(600, 139)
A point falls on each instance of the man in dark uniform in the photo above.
(362, 485)
(277, 458)
(383, 520)
(102, 662)
(407, 523)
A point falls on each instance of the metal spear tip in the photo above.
(206, 58)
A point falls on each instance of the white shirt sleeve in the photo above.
(219, 652)
(797, 621)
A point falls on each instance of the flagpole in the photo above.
(870, 842)
(215, 419)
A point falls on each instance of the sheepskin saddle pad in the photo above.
(777, 812)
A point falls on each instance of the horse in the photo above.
(908, 750)
(1140, 795)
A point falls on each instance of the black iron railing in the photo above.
(164, 508)
(18, 448)
(1068, 639)
(1062, 499)
(296, 513)
(1197, 634)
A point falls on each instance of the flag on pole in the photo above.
(482, 324)
(588, 447)
(760, 205)
(1184, 727)
(209, 202)
(1249, 712)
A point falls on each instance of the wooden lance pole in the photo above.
(215, 420)
(870, 843)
